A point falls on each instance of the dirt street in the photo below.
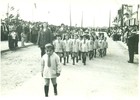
(107, 76)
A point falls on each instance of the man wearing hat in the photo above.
(132, 43)
(50, 68)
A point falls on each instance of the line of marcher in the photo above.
(80, 44)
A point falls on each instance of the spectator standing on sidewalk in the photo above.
(105, 44)
(62, 30)
(4, 31)
(50, 68)
(132, 42)
(23, 37)
(19, 30)
(34, 33)
(13, 38)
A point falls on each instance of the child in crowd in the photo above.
(23, 38)
(105, 46)
(13, 39)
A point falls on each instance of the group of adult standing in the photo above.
(23, 31)
(128, 35)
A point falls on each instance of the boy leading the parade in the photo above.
(50, 68)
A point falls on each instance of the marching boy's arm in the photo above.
(42, 66)
(58, 66)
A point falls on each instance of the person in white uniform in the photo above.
(101, 46)
(84, 48)
(75, 48)
(105, 44)
(58, 47)
(67, 48)
(95, 47)
(50, 68)
(90, 47)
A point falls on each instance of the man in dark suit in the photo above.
(4, 31)
(45, 36)
(132, 44)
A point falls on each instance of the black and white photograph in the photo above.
(70, 49)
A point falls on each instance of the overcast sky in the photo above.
(95, 12)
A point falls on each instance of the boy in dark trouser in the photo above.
(84, 49)
(84, 58)
(75, 49)
(95, 46)
(66, 48)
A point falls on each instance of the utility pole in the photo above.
(70, 16)
(32, 13)
(7, 14)
(82, 20)
(122, 10)
(138, 13)
(93, 22)
(109, 18)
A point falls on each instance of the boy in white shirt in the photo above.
(90, 47)
(101, 46)
(58, 47)
(80, 52)
(66, 47)
(84, 49)
(95, 47)
(50, 68)
(71, 40)
(75, 49)
(105, 46)
(14, 39)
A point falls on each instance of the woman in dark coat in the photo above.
(44, 36)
